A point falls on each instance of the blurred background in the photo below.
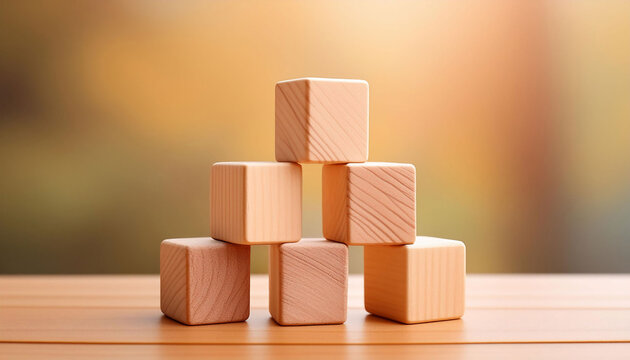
(515, 113)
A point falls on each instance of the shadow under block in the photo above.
(256, 202)
(416, 283)
(369, 203)
(204, 281)
(308, 282)
(322, 120)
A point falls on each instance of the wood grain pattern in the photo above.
(204, 281)
(369, 203)
(315, 352)
(322, 120)
(308, 282)
(149, 326)
(416, 283)
(506, 308)
(483, 291)
(256, 202)
(228, 202)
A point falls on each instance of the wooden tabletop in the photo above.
(523, 316)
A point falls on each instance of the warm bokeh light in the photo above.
(515, 113)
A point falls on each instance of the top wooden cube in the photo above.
(256, 202)
(322, 120)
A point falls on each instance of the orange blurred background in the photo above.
(515, 113)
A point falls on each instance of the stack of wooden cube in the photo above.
(408, 278)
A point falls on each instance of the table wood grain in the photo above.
(523, 316)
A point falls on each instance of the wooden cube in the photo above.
(256, 202)
(308, 282)
(204, 281)
(369, 203)
(322, 120)
(416, 283)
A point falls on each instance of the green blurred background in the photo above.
(515, 113)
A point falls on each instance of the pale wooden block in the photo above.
(416, 283)
(204, 281)
(322, 120)
(308, 282)
(369, 203)
(256, 202)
